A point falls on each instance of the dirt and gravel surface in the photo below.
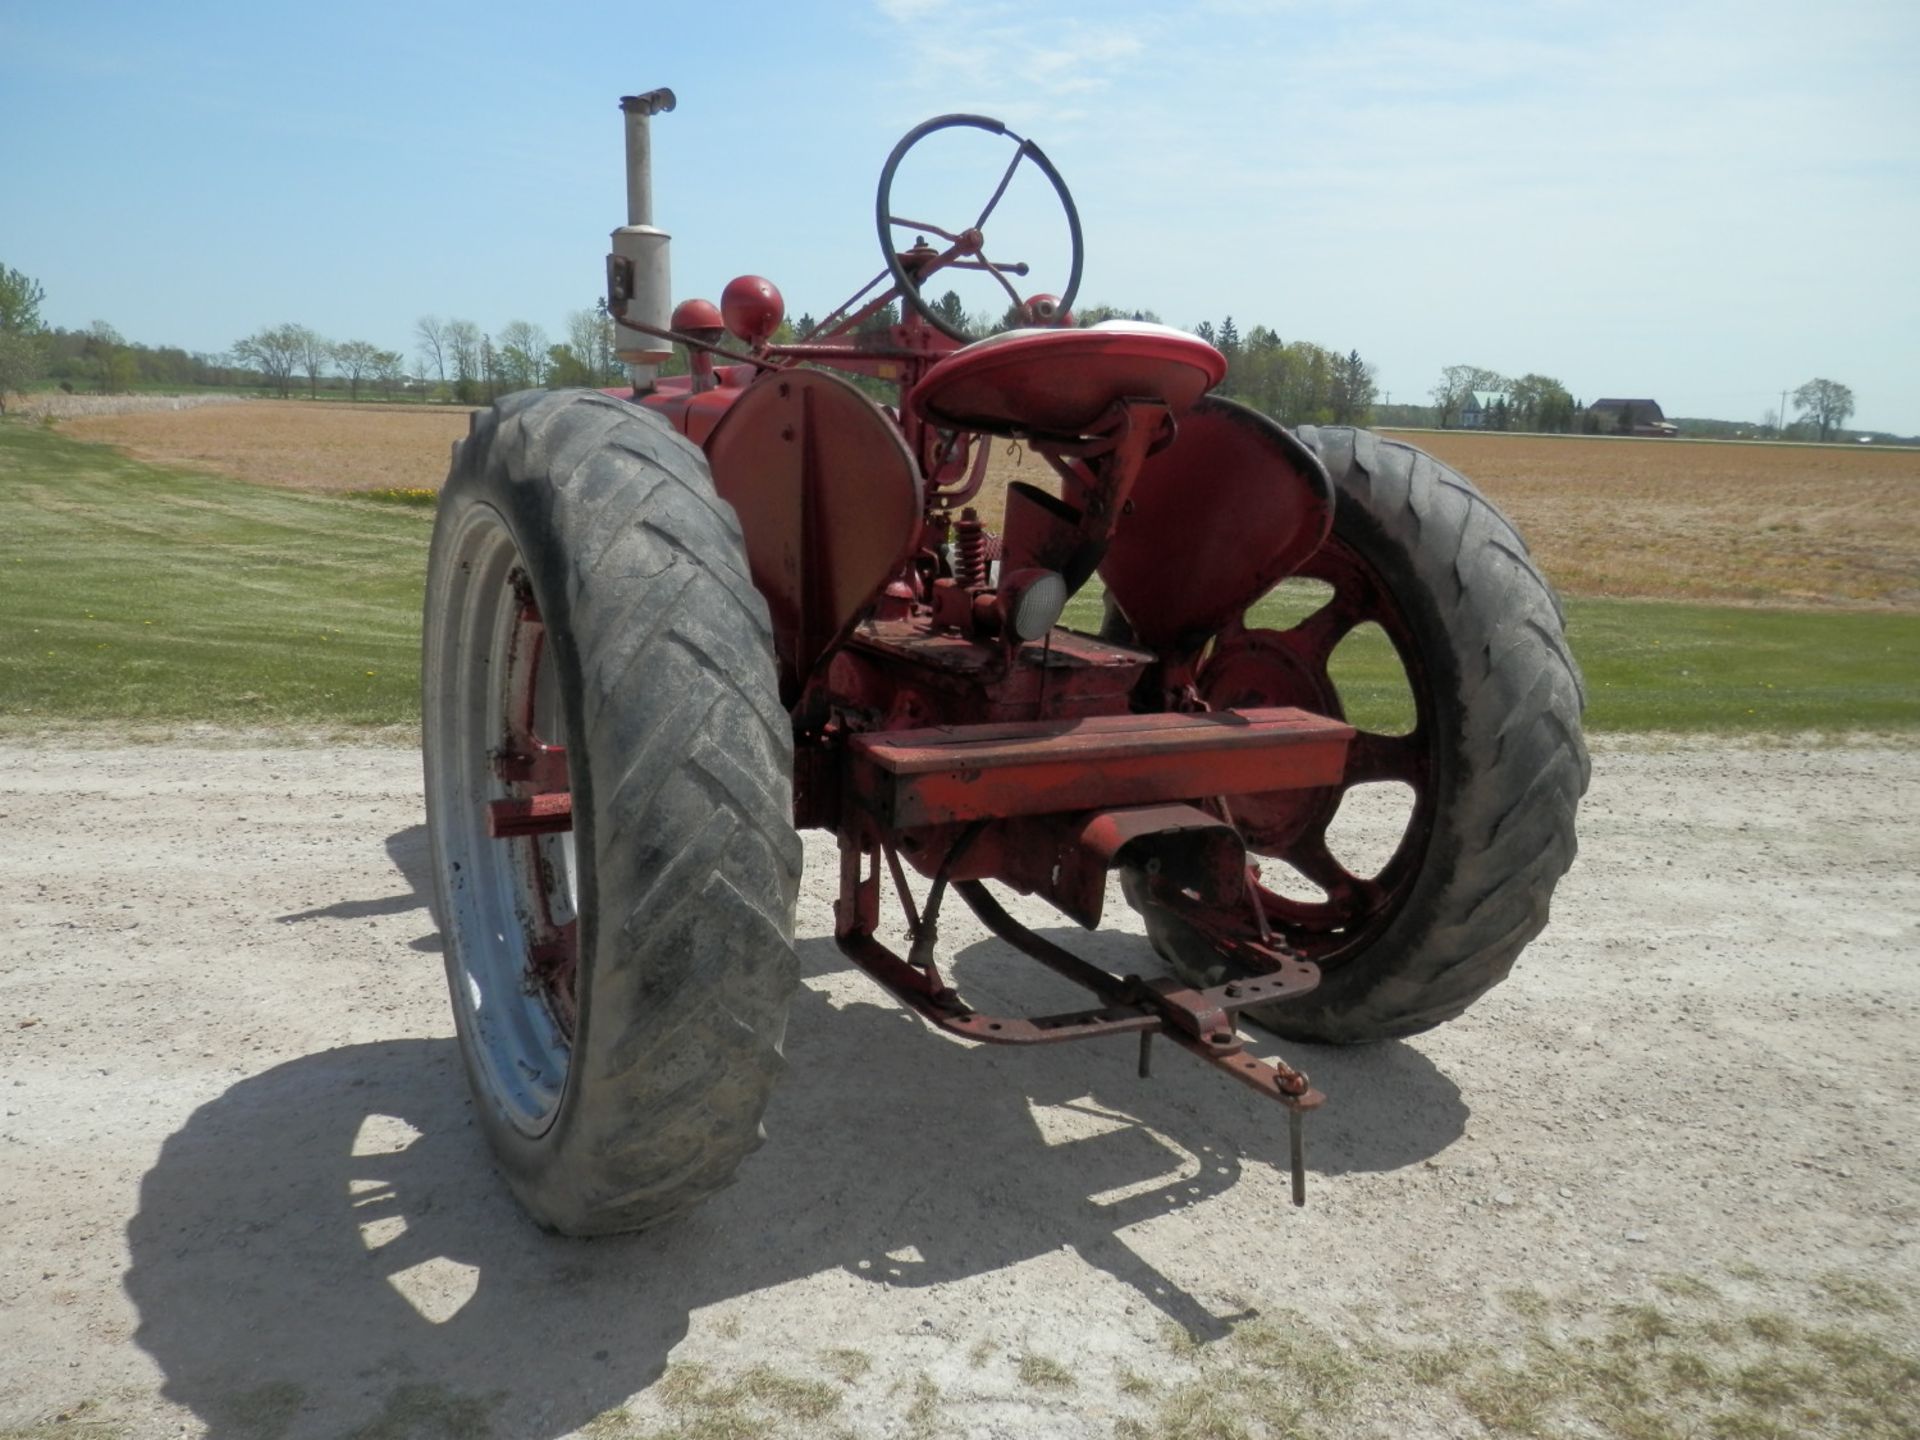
(241, 1194)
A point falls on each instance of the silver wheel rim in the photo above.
(502, 901)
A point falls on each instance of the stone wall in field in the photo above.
(63, 406)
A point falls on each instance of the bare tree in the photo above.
(464, 342)
(1827, 401)
(389, 369)
(315, 351)
(489, 367)
(275, 353)
(430, 334)
(357, 360)
(522, 355)
(590, 337)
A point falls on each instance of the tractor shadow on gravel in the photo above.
(325, 1246)
(408, 850)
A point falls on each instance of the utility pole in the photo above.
(1783, 416)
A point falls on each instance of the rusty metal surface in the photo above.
(829, 498)
(929, 731)
(1200, 1021)
(1130, 1004)
(945, 774)
(1065, 858)
(907, 675)
(1291, 667)
(1216, 519)
(548, 814)
(539, 804)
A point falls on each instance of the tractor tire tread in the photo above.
(1514, 762)
(683, 758)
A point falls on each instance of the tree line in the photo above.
(1542, 403)
(1297, 382)
(457, 360)
(279, 354)
(471, 366)
(1531, 402)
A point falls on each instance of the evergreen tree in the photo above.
(950, 308)
(878, 324)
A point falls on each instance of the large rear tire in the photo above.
(1495, 759)
(620, 990)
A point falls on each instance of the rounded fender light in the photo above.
(1032, 601)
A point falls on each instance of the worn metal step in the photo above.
(910, 778)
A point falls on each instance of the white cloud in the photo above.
(1708, 195)
(1014, 61)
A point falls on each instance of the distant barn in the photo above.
(1628, 417)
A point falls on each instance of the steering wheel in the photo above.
(969, 242)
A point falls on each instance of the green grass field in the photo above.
(148, 596)
(152, 596)
(1657, 665)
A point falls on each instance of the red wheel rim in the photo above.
(531, 764)
(1256, 667)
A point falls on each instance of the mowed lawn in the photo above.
(149, 595)
(1656, 665)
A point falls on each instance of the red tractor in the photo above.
(668, 628)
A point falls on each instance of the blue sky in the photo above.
(1705, 203)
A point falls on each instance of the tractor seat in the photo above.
(1061, 382)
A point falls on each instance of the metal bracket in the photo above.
(1199, 1021)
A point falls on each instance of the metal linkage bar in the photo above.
(1199, 1021)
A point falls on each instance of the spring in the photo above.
(970, 550)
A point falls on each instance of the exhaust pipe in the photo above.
(639, 284)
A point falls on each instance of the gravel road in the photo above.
(242, 1195)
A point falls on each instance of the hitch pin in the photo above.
(1297, 1152)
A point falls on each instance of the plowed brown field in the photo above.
(304, 444)
(1795, 524)
(1779, 524)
